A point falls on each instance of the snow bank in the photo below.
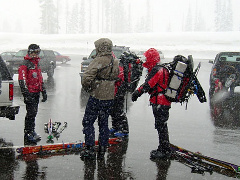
(200, 44)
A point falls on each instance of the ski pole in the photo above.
(57, 135)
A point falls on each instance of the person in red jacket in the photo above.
(31, 83)
(155, 84)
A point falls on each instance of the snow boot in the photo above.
(29, 138)
(88, 153)
(121, 134)
(157, 154)
(101, 152)
(36, 136)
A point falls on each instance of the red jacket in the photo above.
(31, 74)
(155, 84)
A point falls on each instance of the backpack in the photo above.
(132, 70)
(182, 80)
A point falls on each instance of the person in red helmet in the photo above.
(31, 83)
(155, 84)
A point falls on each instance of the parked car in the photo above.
(47, 62)
(117, 50)
(7, 55)
(61, 58)
(225, 64)
(7, 109)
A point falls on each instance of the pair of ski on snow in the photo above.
(200, 163)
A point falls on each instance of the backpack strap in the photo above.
(100, 70)
(155, 88)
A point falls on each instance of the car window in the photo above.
(48, 53)
(229, 58)
(116, 52)
(93, 53)
(21, 53)
(57, 53)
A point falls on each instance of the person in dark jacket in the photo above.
(155, 84)
(130, 71)
(31, 83)
(99, 80)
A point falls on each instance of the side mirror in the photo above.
(84, 58)
(210, 61)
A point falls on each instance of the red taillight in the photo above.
(214, 72)
(11, 91)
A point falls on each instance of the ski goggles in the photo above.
(36, 51)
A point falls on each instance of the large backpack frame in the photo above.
(183, 81)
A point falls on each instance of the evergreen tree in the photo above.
(74, 21)
(49, 21)
(223, 15)
(189, 23)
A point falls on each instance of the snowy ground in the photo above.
(201, 45)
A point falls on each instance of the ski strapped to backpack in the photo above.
(182, 80)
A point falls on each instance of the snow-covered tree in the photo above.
(49, 21)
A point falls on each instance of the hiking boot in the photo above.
(101, 152)
(112, 131)
(29, 139)
(120, 134)
(36, 136)
(156, 154)
(88, 153)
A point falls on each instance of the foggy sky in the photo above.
(23, 16)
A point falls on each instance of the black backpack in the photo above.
(132, 69)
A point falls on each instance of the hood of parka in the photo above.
(152, 58)
(103, 47)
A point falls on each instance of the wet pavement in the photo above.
(212, 130)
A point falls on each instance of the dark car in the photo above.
(61, 58)
(47, 62)
(117, 50)
(7, 55)
(7, 108)
(225, 65)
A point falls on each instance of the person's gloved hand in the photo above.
(44, 95)
(135, 95)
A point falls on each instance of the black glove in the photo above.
(44, 95)
(135, 95)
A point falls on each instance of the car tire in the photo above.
(211, 92)
(50, 71)
(64, 61)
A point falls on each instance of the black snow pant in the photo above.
(161, 114)
(31, 101)
(96, 109)
(119, 118)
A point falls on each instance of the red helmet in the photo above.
(152, 58)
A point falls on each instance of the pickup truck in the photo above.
(7, 109)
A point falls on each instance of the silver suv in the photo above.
(7, 109)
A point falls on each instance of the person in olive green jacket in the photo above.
(99, 80)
